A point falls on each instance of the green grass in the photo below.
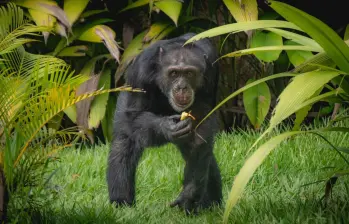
(275, 194)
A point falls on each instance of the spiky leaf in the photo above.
(243, 26)
(326, 37)
(248, 169)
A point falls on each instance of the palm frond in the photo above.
(14, 25)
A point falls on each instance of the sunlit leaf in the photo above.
(346, 33)
(300, 39)
(92, 12)
(83, 107)
(71, 113)
(172, 8)
(297, 57)
(135, 4)
(302, 113)
(326, 37)
(136, 46)
(43, 19)
(46, 6)
(155, 31)
(78, 29)
(60, 29)
(99, 103)
(248, 169)
(266, 49)
(318, 59)
(104, 34)
(301, 88)
(244, 10)
(261, 39)
(108, 126)
(73, 9)
(243, 26)
(73, 51)
(256, 103)
(242, 89)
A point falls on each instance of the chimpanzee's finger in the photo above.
(182, 124)
(175, 118)
(183, 131)
(175, 203)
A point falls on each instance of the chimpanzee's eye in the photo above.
(189, 74)
(173, 73)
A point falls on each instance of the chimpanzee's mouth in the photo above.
(185, 104)
(180, 103)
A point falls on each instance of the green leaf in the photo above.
(99, 103)
(326, 37)
(135, 4)
(73, 51)
(300, 39)
(43, 19)
(243, 26)
(92, 13)
(261, 39)
(108, 126)
(71, 113)
(74, 8)
(104, 34)
(297, 57)
(346, 33)
(136, 46)
(242, 89)
(319, 59)
(243, 10)
(302, 113)
(266, 49)
(46, 6)
(172, 8)
(78, 29)
(257, 102)
(155, 31)
(297, 92)
(248, 169)
(55, 122)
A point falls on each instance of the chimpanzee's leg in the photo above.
(202, 180)
(122, 164)
(213, 194)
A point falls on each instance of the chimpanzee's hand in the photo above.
(174, 129)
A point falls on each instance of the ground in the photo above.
(275, 195)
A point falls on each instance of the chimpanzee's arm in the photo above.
(134, 118)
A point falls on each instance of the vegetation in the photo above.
(62, 61)
(310, 86)
(279, 190)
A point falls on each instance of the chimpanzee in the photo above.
(176, 78)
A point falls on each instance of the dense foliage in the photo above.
(61, 63)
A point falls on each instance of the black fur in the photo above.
(147, 119)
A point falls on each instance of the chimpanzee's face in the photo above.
(181, 75)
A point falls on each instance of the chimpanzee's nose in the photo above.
(181, 86)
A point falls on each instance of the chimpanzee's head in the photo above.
(181, 74)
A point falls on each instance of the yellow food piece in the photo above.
(184, 115)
